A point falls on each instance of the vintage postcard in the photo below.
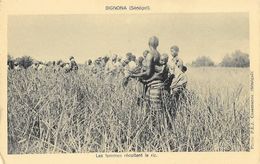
(137, 81)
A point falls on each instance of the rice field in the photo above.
(78, 113)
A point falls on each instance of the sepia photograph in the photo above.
(167, 82)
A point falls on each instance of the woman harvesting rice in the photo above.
(154, 88)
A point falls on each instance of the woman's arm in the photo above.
(159, 75)
(148, 71)
(156, 76)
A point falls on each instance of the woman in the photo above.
(154, 88)
(179, 83)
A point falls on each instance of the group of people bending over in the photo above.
(156, 72)
(55, 66)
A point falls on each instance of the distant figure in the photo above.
(119, 66)
(129, 64)
(58, 67)
(180, 81)
(41, 67)
(139, 63)
(97, 68)
(140, 87)
(129, 67)
(73, 64)
(89, 62)
(128, 56)
(67, 67)
(111, 67)
(105, 59)
(103, 62)
(61, 64)
(175, 58)
(145, 53)
(10, 64)
(35, 66)
(119, 59)
(17, 66)
(51, 65)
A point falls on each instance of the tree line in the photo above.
(235, 59)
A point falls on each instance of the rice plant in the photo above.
(80, 112)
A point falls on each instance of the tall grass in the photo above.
(76, 113)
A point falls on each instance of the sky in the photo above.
(54, 37)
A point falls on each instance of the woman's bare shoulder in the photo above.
(149, 58)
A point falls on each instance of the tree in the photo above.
(10, 61)
(236, 59)
(203, 61)
(25, 61)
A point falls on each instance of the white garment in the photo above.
(129, 68)
(180, 79)
(172, 63)
(110, 67)
(34, 67)
(171, 66)
(41, 67)
(177, 72)
(17, 67)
